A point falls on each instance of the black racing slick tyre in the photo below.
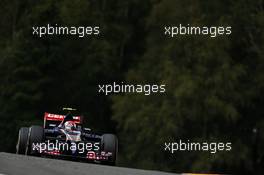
(22, 140)
(35, 138)
(110, 144)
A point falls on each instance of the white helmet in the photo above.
(69, 125)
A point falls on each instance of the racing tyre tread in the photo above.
(22, 140)
(36, 135)
(110, 144)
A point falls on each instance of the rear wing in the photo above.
(53, 120)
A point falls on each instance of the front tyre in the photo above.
(22, 140)
(35, 138)
(110, 144)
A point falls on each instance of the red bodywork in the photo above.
(59, 118)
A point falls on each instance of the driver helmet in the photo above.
(69, 126)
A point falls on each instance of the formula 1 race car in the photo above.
(63, 136)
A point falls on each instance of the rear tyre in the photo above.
(22, 140)
(110, 144)
(35, 138)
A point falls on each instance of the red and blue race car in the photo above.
(63, 136)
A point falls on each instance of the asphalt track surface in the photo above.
(12, 164)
